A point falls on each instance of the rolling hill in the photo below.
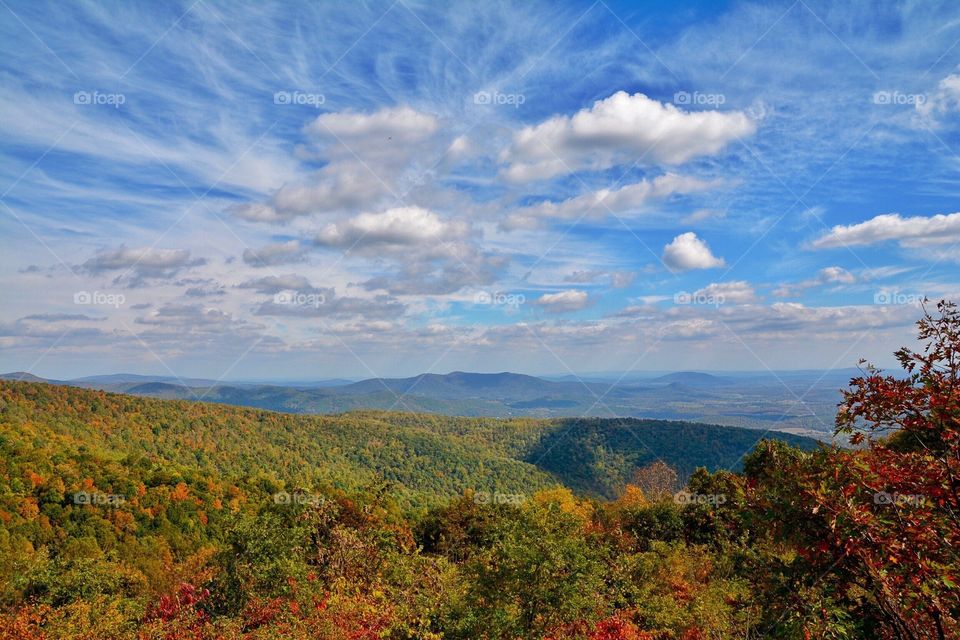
(429, 457)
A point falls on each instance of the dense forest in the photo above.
(125, 517)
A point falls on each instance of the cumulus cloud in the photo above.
(401, 226)
(604, 202)
(276, 253)
(324, 303)
(735, 292)
(399, 125)
(439, 270)
(275, 284)
(201, 287)
(187, 315)
(687, 252)
(563, 301)
(826, 276)
(836, 275)
(338, 187)
(433, 255)
(60, 328)
(368, 157)
(916, 231)
(617, 129)
(143, 262)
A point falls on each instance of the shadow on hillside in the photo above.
(598, 456)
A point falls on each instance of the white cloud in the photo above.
(275, 253)
(394, 227)
(338, 187)
(836, 275)
(368, 157)
(433, 255)
(616, 130)
(141, 262)
(461, 147)
(916, 231)
(564, 301)
(396, 125)
(945, 99)
(603, 202)
(275, 284)
(326, 303)
(827, 275)
(687, 252)
(703, 214)
(737, 292)
(622, 279)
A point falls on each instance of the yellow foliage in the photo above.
(563, 498)
(631, 498)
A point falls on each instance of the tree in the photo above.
(657, 480)
(912, 475)
(876, 528)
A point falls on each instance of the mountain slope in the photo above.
(462, 385)
(430, 457)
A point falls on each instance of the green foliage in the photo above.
(538, 572)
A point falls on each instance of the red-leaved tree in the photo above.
(878, 524)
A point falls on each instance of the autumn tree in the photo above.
(657, 480)
(875, 527)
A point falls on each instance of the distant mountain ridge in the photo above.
(757, 400)
(694, 379)
(23, 376)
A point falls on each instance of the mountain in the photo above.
(760, 401)
(460, 385)
(694, 379)
(430, 457)
(23, 376)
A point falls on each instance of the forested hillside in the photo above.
(428, 458)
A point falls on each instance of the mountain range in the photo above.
(798, 403)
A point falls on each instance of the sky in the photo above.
(305, 191)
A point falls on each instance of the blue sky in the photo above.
(348, 190)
